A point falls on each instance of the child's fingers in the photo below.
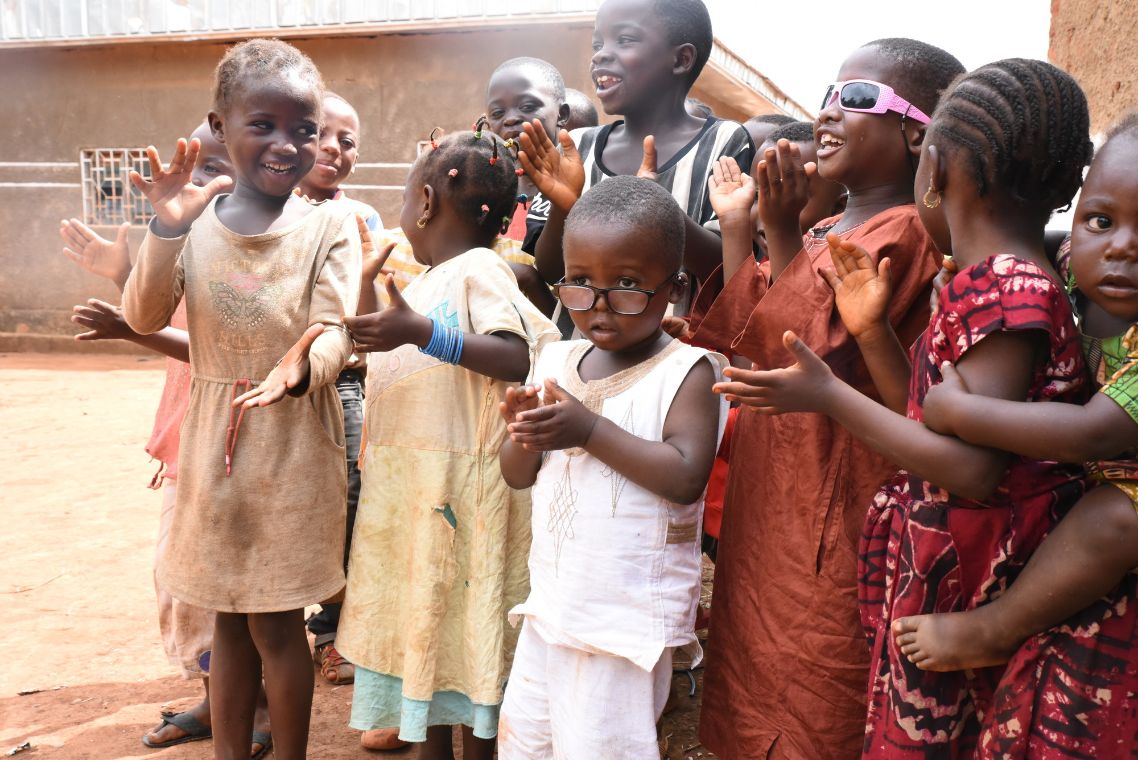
(568, 147)
(832, 278)
(538, 413)
(248, 396)
(527, 165)
(77, 258)
(191, 157)
(89, 335)
(137, 180)
(741, 391)
(384, 255)
(155, 162)
(178, 160)
(718, 176)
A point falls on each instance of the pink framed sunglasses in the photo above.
(867, 96)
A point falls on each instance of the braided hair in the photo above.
(1024, 127)
(476, 172)
(259, 59)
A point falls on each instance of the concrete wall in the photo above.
(1095, 41)
(60, 100)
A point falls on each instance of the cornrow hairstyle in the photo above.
(260, 59)
(635, 203)
(795, 131)
(544, 71)
(475, 176)
(920, 71)
(777, 119)
(1126, 126)
(1023, 127)
(687, 22)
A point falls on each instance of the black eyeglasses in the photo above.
(626, 301)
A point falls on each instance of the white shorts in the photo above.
(568, 704)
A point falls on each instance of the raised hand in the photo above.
(942, 399)
(95, 253)
(783, 184)
(560, 422)
(103, 321)
(176, 200)
(648, 164)
(861, 287)
(389, 328)
(290, 373)
(803, 387)
(731, 190)
(518, 400)
(373, 259)
(559, 175)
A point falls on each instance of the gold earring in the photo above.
(932, 198)
(421, 222)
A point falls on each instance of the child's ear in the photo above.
(914, 135)
(429, 201)
(679, 287)
(938, 169)
(215, 126)
(684, 60)
(562, 115)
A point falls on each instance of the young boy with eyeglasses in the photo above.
(616, 438)
(799, 485)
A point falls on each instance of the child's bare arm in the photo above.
(862, 289)
(500, 355)
(784, 191)
(732, 193)
(519, 466)
(1001, 365)
(105, 322)
(96, 254)
(1057, 432)
(675, 468)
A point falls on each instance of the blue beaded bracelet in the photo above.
(445, 344)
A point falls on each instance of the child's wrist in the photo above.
(735, 218)
(164, 231)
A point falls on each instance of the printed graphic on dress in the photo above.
(242, 305)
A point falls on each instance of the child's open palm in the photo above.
(176, 200)
(290, 373)
(518, 400)
(802, 387)
(95, 253)
(861, 287)
(783, 182)
(389, 328)
(559, 175)
(730, 189)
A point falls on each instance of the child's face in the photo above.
(1104, 238)
(618, 256)
(213, 159)
(862, 150)
(515, 96)
(271, 131)
(632, 59)
(338, 145)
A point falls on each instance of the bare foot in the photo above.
(382, 739)
(952, 641)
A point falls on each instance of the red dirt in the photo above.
(75, 573)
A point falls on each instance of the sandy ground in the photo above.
(75, 573)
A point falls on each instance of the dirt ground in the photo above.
(76, 550)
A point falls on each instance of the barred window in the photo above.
(108, 196)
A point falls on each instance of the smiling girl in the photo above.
(257, 532)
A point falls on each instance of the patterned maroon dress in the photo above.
(1066, 693)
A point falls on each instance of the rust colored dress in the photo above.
(787, 661)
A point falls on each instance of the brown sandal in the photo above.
(335, 669)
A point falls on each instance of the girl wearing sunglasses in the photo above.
(792, 520)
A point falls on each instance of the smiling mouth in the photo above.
(829, 142)
(606, 82)
(275, 168)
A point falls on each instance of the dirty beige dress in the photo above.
(439, 551)
(269, 536)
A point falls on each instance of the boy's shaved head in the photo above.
(687, 22)
(542, 71)
(637, 204)
(582, 112)
(922, 71)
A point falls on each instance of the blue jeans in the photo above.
(350, 387)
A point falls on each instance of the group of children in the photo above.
(525, 554)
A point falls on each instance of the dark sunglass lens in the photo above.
(575, 297)
(627, 301)
(860, 95)
(826, 99)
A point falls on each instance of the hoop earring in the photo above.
(932, 198)
(421, 222)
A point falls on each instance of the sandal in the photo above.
(335, 669)
(265, 739)
(194, 728)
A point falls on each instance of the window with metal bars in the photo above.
(108, 195)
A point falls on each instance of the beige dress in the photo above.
(439, 551)
(268, 536)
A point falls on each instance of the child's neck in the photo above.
(250, 212)
(865, 203)
(441, 248)
(598, 363)
(983, 229)
(660, 117)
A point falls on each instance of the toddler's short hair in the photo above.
(636, 203)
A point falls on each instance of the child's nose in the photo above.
(601, 55)
(1123, 244)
